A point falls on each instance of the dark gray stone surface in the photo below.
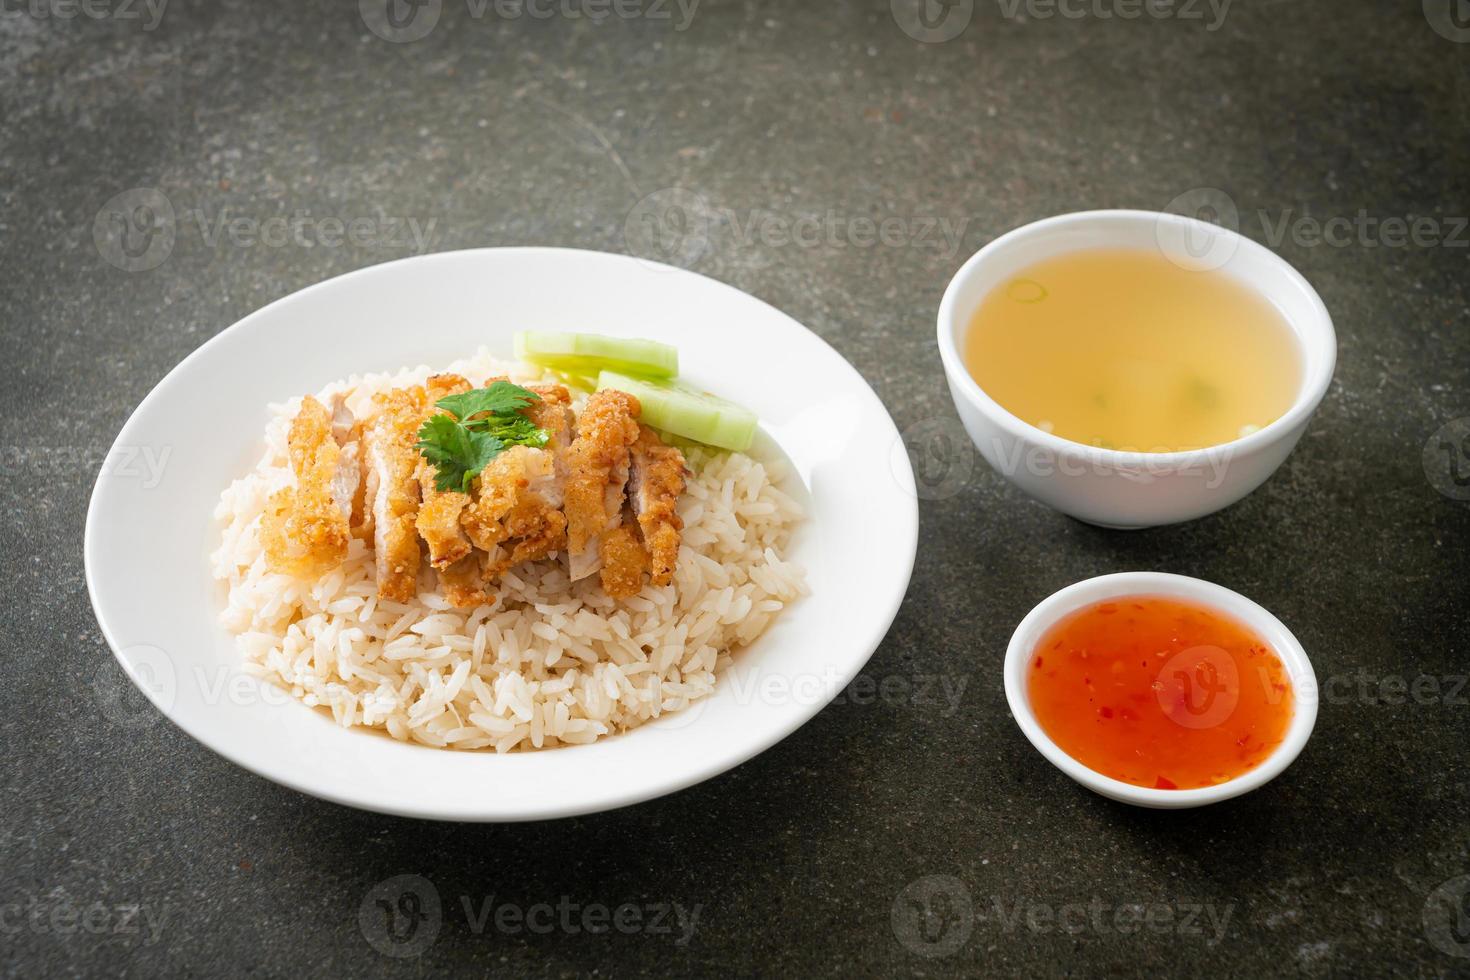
(134, 850)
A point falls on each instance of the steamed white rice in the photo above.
(549, 662)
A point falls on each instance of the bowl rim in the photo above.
(1316, 331)
(1100, 588)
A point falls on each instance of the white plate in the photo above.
(150, 529)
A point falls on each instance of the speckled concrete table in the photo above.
(909, 828)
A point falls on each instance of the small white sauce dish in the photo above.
(1129, 489)
(1104, 587)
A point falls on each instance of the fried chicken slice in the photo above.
(511, 517)
(553, 415)
(305, 528)
(393, 489)
(624, 560)
(350, 481)
(655, 481)
(516, 512)
(464, 583)
(597, 474)
(442, 385)
(438, 520)
(461, 571)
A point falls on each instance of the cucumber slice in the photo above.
(578, 381)
(588, 353)
(684, 411)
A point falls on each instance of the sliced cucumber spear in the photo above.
(684, 411)
(587, 353)
(580, 381)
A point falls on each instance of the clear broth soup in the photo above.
(1125, 349)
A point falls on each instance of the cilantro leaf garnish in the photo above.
(513, 430)
(475, 427)
(500, 398)
(458, 453)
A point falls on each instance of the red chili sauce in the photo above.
(1160, 692)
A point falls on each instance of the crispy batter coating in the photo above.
(464, 583)
(511, 517)
(654, 485)
(352, 469)
(439, 512)
(624, 561)
(597, 473)
(438, 520)
(441, 385)
(310, 430)
(553, 413)
(305, 530)
(394, 490)
(516, 514)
